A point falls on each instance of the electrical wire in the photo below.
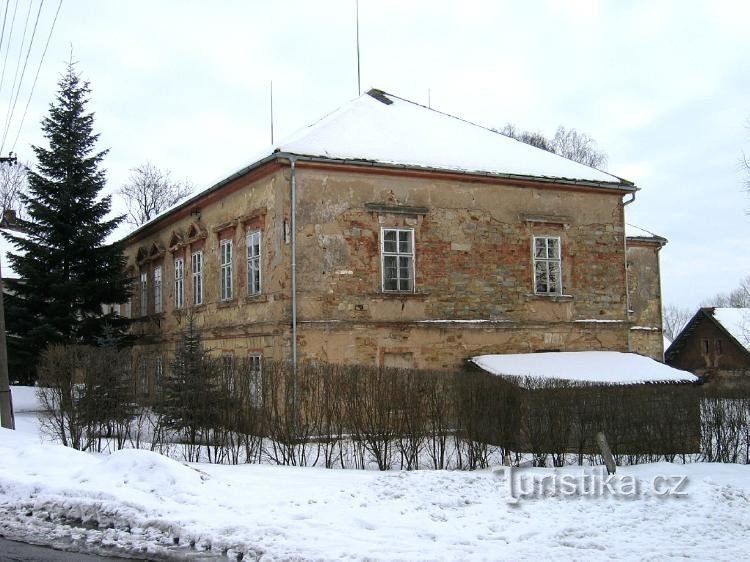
(23, 72)
(36, 77)
(7, 52)
(5, 17)
(13, 90)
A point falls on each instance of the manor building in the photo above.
(389, 233)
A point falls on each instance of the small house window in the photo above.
(225, 270)
(179, 283)
(397, 259)
(253, 263)
(157, 289)
(547, 265)
(197, 271)
(705, 346)
(144, 293)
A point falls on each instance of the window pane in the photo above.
(404, 242)
(553, 248)
(554, 277)
(389, 241)
(540, 248)
(540, 276)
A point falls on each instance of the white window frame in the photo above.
(255, 379)
(225, 270)
(399, 255)
(547, 264)
(158, 289)
(179, 283)
(196, 268)
(144, 293)
(254, 262)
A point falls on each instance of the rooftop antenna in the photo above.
(359, 86)
(271, 111)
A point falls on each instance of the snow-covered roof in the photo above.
(736, 321)
(593, 367)
(7, 247)
(380, 128)
(632, 231)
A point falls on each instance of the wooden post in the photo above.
(609, 459)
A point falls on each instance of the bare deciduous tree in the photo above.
(674, 319)
(12, 185)
(570, 143)
(736, 298)
(578, 146)
(151, 191)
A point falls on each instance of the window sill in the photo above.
(402, 295)
(226, 304)
(262, 297)
(551, 298)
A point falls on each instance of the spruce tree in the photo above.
(66, 268)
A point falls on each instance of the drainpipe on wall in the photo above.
(625, 253)
(293, 220)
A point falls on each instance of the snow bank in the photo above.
(25, 399)
(148, 506)
(598, 367)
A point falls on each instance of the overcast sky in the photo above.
(663, 87)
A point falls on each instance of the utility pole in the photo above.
(6, 400)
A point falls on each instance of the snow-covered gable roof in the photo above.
(383, 128)
(736, 321)
(592, 367)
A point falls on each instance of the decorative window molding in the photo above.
(157, 289)
(196, 268)
(144, 293)
(384, 209)
(547, 262)
(397, 260)
(254, 250)
(225, 270)
(179, 283)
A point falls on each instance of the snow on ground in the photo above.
(599, 367)
(140, 502)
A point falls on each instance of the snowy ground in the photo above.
(148, 505)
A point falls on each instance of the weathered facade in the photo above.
(367, 260)
(713, 345)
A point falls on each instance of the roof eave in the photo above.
(623, 186)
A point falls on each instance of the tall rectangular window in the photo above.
(196, 261)
(179, 283)
(225, 270)
(144, 293)
(253, 262)
(255, 379)
(157, 289)
(397, 259)
(547, 266)
(158, 374)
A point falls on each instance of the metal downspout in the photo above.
(293, 221)
(625, 253)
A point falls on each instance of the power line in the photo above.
(7, 51)
(5, 16)
(36, 77)
(23, 72)
(8, 112)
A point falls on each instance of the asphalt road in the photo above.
(12, 551)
